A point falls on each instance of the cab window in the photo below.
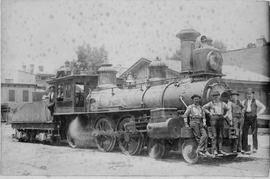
(79, 95)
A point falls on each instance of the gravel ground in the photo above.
(38, 159)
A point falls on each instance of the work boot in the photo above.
(208, 154)
(222, 152)
(202, 153)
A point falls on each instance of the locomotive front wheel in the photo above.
(129, 143)
(105, 143)
(156, 149)
(189, 152)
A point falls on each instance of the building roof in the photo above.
(138, 63)
(19, 85)
(238, 73)
(232, 72)
(45, 74)
(173, 65)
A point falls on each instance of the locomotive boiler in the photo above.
(94, 110)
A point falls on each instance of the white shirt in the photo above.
(258, 103)
(249, 105)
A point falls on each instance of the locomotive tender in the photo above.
(94, 110)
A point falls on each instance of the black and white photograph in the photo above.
(135, 88)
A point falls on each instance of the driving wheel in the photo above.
(130, 142)
(105, 142)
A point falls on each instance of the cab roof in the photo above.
(77, 77)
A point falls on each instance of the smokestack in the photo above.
(32, 67)
(187, 38)
(41, 68)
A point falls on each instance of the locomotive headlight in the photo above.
(214, 60)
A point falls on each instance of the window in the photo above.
(68, 90)
(79, 95)
(25, 95)
(8, 80)
(11, 95)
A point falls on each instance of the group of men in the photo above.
(239, 115)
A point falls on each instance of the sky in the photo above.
(48, 32)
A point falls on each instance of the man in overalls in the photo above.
(197, 122)
(237, 119)
(216, 110)
(251, 106)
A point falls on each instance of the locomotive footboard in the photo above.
(36, 126)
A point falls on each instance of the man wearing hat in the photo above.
(51, 98)
(201, 42)
(197, 122)
(252, 108)
(216, 110)
(237, 119)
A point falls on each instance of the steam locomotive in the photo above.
(94, 111)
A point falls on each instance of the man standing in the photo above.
(197, 122)
(51, 99)
(216, 110)
(251, 106)
(237, 119)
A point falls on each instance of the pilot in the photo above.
(197, 122)
(216, 110)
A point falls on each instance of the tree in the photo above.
(219, 45)
(90, 58)
(177, 55)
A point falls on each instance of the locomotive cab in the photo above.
(71, 92)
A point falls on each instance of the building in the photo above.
(15, 94)
(252, 59)
(22, 86)
(42, 78)
(140, 70)
(17, 76)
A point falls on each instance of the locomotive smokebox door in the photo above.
(164, 123)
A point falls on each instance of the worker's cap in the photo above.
(215, 93)
(195, 96)
(233, 92)
(250, 91)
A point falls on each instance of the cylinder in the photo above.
(171, 128)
